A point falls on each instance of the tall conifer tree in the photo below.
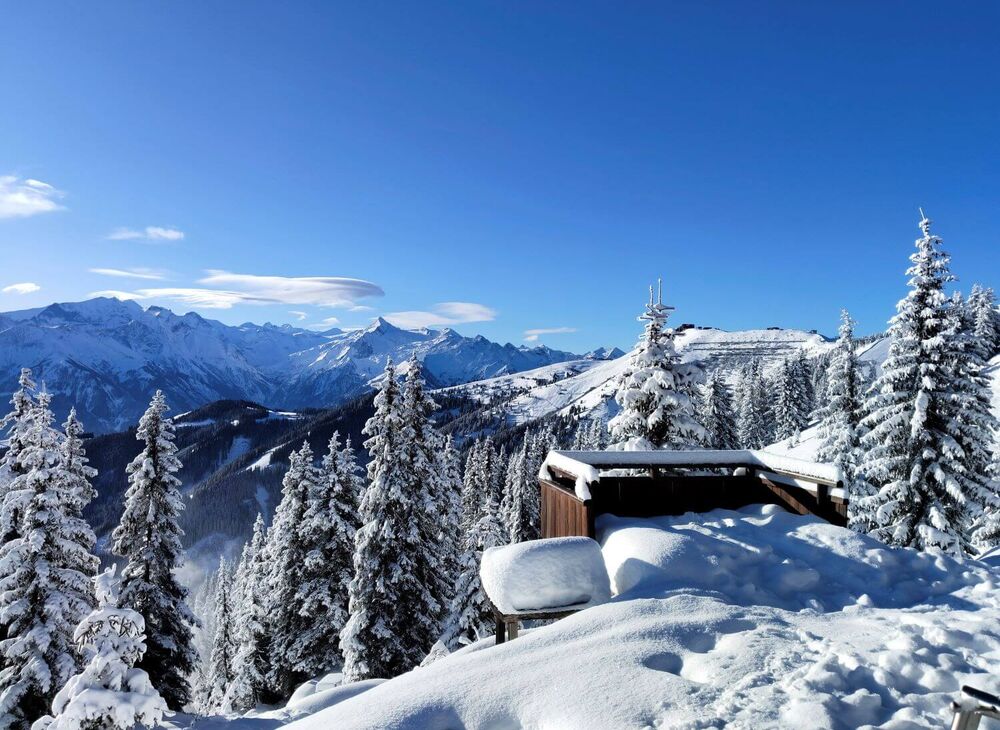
(928, 425)
(149, 538)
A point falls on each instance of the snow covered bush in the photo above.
(109, 692)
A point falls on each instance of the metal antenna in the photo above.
(659, 291)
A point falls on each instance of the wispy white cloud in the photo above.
(25, 287)
(223, 290)
(533, 335)
(24, 197)
(133, 273)
(444, 313)
(299, 315)
(149, 233)
(325, 324)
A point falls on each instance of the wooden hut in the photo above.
(578, 486)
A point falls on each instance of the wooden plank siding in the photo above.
(564, 514)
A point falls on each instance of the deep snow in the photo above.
(755, 618)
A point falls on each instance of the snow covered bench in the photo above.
(543, 579)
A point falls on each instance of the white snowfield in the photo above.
(745, 619)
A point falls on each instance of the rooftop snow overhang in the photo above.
(586, 467)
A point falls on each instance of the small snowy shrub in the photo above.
(109, 692)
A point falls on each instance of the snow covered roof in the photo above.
(586, 466)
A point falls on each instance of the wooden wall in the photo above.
(563, 514)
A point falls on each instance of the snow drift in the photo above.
(544, 574)
(752, 618)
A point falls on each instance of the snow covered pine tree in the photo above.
(792, 403)
(655, 392)
(328, 527)
(929, 420)
(45, 570)
(220, 672)
(470, 615)
(149, 539)
(717, 413)
(250, 665)
(392, 597)
(755, 422)
(840, 421)
(286, 553)
(108, 693)
(519, 509)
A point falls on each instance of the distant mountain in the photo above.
(604, 353)
(107, 356)
(586, 386)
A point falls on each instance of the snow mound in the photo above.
(323, 693)
(545, 574)
(748, 619)
(763, 555)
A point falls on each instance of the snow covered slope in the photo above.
(586, 386)
(749, 619)
(106, 356)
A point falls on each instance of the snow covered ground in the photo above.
(750, 619)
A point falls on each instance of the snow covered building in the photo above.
(578, 486)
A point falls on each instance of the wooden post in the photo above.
(512, 629)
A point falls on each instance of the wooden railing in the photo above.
(679, 490)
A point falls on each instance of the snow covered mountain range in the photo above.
(585, 387)
(107, 356)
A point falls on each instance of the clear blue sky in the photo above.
(538, 163)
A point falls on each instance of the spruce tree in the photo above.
(717, 414)
(478, 479)
(221, 672)
(470, 615)
(520, 506)
(388, 593)
(791, 406)
(45, 572)
(425, 473)
(149, 539)
(74, 463)
(802, 372)
(328, 527)
(840, 423)
(451, 526)
(251, 663)
(108, 692)
(927, 420)
(655, 392)
(287, 552)
(985, 321)
(756, 422)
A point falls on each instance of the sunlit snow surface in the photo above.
(747, 619)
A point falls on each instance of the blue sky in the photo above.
(502, 167)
